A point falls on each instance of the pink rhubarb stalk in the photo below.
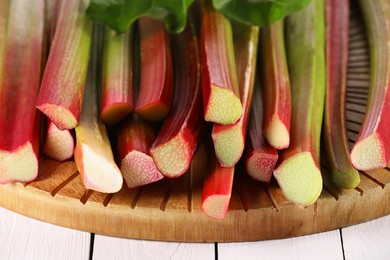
(276, 85)
(298, 173)
(372, 147)
(156, 86)
(260, 157)
(19, 85)
(221, 94)
(217, 189)
(178, 139)
(93, 154)
(63, 83)
(344, 175)
(229, 140)
(135, 136)
(117, 81)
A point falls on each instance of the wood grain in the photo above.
(170, 209)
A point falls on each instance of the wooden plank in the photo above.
(119, 248)
(25, 238)
(367, 241)
(325, 246)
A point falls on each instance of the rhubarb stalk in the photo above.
(221, 94)
(298, 173)
(217, 188)
(276, 83)
(93, 154)
(344, 175)
(372, 147)
(117, 82)
(135, 136)
(58, 144)
(19, 85)
(229, 140)
(260, 157)
(156, 86)
(179, 136)
(63, 83)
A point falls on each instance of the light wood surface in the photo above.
(170, 210)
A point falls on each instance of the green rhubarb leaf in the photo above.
(120, 14)
(258, 12)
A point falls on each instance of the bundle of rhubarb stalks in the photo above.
(134, 106)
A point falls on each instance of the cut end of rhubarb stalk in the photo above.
(138, 169)
(154, 112)
(300, 179)
(346, 179)
(98, 174)
(59, 144)
(223, 107)
(216, 206)
(229, 145)
(20, 165)
(277, 133)
(261, 165)
(172, 158)
(60, 116)
(115, 113)
(368, 154)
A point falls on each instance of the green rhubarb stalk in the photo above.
(344, 175)
(229, 140)
(221, 94)
(20, 77)
(372, 147)
(62, 88)
(276, 83)
(117, 81)
(298, 173)
(4, 6)
(93, 153)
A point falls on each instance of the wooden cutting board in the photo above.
(170, 210)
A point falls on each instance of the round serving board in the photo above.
(170, 209)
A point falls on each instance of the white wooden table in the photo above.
(25, 238)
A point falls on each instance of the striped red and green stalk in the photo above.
(175, 145)
(229, 140)
(62, 89)
(372, 147)
(93, 154)
(343, 174)
(220, 91)
(19, 85)
(156, 79)
(298, 173)
(276, 85)
(260, 156)
(217, 188)
(134, 138)
(117, 76)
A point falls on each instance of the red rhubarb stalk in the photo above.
(221, 94)
(298, 173)
(135, 136)
(229, 140)
(58, 144)
(156, 82)
(117, 81)
(260, 157)
(372, 147)
(217, 189)
(276, 83)
(63, 83)
(343, 174)
(179, 137)
(93, 154)
(19, 86)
